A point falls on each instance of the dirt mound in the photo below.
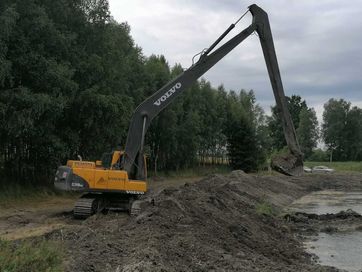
(212, 225)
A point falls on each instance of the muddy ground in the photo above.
(221, 223)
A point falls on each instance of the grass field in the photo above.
(349, 166)
(25, 256)
(15, 194)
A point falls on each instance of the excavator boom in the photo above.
(133, 160)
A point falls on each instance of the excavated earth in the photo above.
(220, 223)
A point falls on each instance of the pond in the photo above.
(342, 249)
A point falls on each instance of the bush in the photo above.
(265, 208)
(319, 155)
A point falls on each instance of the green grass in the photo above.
(350, 166)
(43, 256)
(265, 208)
(17, 193)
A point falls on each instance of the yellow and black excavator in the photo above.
(119, 178)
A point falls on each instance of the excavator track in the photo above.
(83, 208)
(87, 206)
(91, 204)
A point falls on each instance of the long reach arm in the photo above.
(133, 161)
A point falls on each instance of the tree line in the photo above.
(71, 76)
(342, 130)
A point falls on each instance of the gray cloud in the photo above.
(318, 43)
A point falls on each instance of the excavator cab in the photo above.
(106, 160)
(112, 160)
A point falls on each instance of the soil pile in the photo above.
(221, 223)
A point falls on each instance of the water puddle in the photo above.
(342, 249)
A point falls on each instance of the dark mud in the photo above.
(212, 225)
(311, 224)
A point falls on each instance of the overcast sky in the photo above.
(318, 43)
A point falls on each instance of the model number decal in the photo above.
(167, 94)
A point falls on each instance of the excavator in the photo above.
(118, 180)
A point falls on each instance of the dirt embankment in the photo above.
(211, 225)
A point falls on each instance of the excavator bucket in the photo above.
(287, 164)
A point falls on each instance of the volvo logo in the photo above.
(167, 94)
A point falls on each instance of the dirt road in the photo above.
(221, 223)
(35, 217)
